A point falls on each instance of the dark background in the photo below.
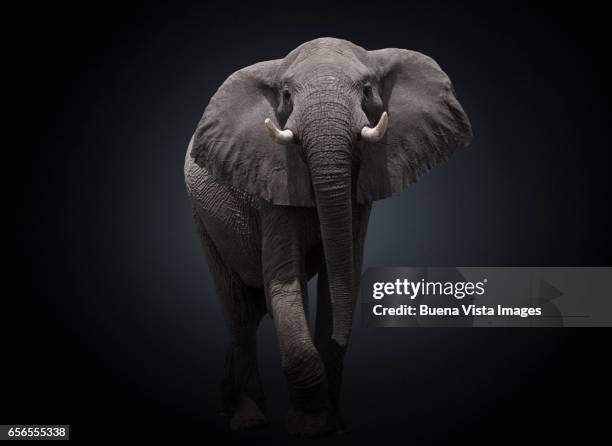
(118, 331)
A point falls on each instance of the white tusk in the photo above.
(377, 133)
(282, 137)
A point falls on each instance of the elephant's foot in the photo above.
(341, 426)
(306, 424)
(228, 407)
(247, 415)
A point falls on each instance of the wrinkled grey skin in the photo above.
(271, 217)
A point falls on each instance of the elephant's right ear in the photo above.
(232, 144)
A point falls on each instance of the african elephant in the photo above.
(281, 173)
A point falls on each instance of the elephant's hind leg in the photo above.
(242, 395)
(331, 353)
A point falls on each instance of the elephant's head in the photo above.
(332, 98)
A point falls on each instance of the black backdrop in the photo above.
(121, 332)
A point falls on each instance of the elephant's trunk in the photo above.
(335, 216)
(328, 138)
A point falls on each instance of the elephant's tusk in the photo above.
(282, 137)
(376, 134)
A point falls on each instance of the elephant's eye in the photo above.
(286, 95)
(367, 91)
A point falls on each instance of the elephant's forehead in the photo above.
(325, 60)
(327, 43)
(326, 46)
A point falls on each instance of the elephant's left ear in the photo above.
(232, 144)
(426, 123)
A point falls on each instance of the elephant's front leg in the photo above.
(309, 412)
(286, 289)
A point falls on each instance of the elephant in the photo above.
(281, 173)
